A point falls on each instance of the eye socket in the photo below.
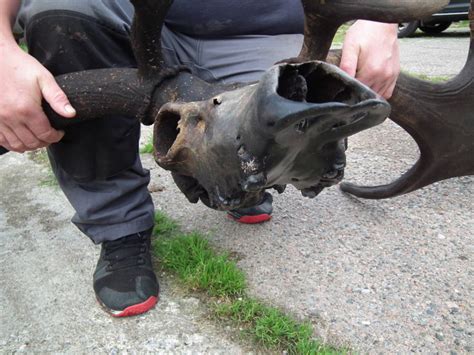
(216, 101)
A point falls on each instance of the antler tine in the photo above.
(323, 18)
(146, 32)
(440, 117)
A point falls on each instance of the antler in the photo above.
(323, 18)
(440, 117)
(290, 128)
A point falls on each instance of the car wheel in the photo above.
(434, 28)
(406, 29)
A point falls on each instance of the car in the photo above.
(457, 10)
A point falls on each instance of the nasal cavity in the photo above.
(166, 131)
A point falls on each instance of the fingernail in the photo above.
(69, 109)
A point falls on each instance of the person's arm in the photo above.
(24, 82)
(370, 53)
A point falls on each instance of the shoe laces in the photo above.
(126, 252)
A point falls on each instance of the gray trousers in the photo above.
(110, 195)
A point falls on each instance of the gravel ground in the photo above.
(47, 304)
(443, 55)
(379, 276)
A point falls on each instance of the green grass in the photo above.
(193, 260)
(340, 34)
(201, 268)
(164, 226)
(432, 78)
(461, 24)
(24, 47)
(147, 148)
(271, 327)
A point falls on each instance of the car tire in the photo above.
(406, 29)
(435, 28)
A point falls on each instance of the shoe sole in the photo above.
(134, 310)
(251, 219)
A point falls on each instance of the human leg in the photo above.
(97, 163)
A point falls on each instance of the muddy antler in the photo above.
(440, 117)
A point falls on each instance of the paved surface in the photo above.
(379, 276)
(443, 55)
(46, 299)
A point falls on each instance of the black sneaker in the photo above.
(255, 214)
(124, 281)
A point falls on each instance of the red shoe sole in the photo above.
(134, 310)
(252, 219)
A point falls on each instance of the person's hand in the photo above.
(23, 124)
(370, 53)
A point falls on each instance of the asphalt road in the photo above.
(443, 55)
(379, 276)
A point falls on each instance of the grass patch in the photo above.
(201, 268)
(164, 226)
(147, 148)
(432, 78)
(24, 47)
(193, 260)
(271, 327)
(461, 24)
(340, 35)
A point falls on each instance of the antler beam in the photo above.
(440, 117)
(323, 18)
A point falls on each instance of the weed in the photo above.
(164, 226)
(190, 256)
(271, 328)
(148, 147)
(196, 263)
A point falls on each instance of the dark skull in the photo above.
(290, 128)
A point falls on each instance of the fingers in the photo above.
(9, 140)
(23, 124)
(380, 78)
(387, 94)
(20, 138)
(54, 95)
(39, 125)
(27, 138)
(350, 57)
(370, 53)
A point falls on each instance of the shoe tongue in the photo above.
(125, 252)
(125, 247)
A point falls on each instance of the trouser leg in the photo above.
(111, 208)
(97, 163)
